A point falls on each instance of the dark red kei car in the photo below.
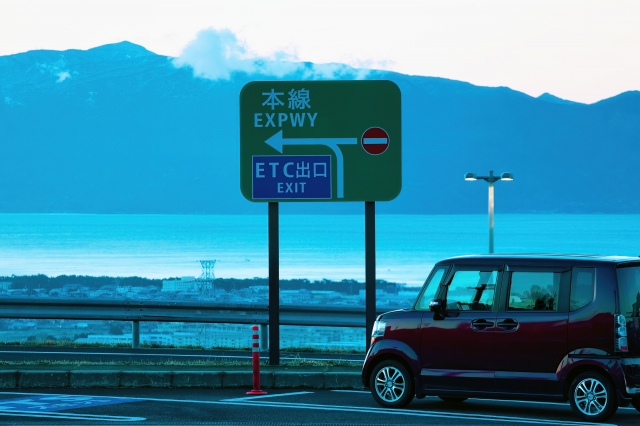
(526, 327)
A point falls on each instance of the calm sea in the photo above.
(313, 247)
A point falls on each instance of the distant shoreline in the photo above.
(42, 283)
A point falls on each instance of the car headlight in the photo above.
(378, 329)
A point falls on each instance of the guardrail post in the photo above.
(264, 337)
(135, 334)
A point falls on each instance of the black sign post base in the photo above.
(370, 267)
(274, 285)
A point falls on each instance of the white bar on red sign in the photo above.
(372, 141)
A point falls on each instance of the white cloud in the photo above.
(62, 76)
(217, 54)
(56, 69)
(579, 50)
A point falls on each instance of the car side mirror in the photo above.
(436, 306)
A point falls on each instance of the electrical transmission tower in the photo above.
(206, 282)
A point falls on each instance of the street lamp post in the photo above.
(491, 179)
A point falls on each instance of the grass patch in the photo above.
(317, 350)
(72, 344)
(301, 362)
(197, 363)
(66, 343)
(66, 363)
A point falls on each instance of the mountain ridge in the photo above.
(119, 129)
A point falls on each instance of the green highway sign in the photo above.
(320, 141)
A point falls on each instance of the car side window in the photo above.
(582, 287)
(472, 290)
(430, 289)
(535, 290)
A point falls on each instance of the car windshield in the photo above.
(629, 287)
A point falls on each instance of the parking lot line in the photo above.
(66, 394)
(420, 413)
(564, 404)
(388, 411)
(69, 416)
(250, 401)
(275, 395)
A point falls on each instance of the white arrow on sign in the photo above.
(277, 142)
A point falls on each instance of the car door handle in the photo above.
(508, 324)
(481, 324)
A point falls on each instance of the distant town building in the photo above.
(184, 284)
(101, 293)
(163, 339)
(109, 339)
(186, 339)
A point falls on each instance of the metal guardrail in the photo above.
(168, 311)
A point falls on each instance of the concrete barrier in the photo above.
(43, 379)
(145, 379)
(11, 379)
(244, 379)
(285, 379)
(94, 379)
(197, 379)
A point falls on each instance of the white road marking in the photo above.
(368, 410)
(520, 401)
(66, 415)
(69, 416)
(440, 414)
(396, 412)
(65, 394)
(247, 398)
(563, 404)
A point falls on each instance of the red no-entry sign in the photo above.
(375, 140)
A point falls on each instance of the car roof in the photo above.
(541, 257)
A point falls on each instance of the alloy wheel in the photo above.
(390, 384)
(591, 397)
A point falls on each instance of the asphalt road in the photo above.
(147, 355)
(234, 407)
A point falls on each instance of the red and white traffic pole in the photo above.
(255, 355)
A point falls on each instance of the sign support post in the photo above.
(320, 141)
(274, 285)
(370, 266)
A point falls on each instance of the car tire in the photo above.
(455, 399)
(391, 384)
(593, 397)
(636, 402)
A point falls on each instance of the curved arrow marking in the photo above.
(278, 142)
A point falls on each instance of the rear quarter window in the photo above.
(629, 289)
(582, 288)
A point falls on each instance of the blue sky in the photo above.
(582, 50)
